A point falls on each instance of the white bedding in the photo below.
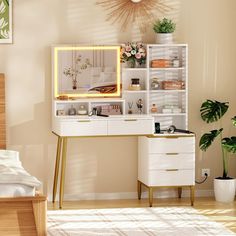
(14, 179)
(16, 190)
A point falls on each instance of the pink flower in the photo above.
(138, 55)
(128, 48)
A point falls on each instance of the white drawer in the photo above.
(130, 126)
(169, 177)
(171, 161)
(83, 128)
(171, 145)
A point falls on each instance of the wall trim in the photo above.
(132, 195)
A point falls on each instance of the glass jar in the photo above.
(175, 62)
(155, 84)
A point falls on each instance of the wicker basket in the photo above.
(173, 84)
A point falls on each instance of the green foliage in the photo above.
(164, 26)
(234, 121)
(208, 138)
(229, 144)
(212, 111)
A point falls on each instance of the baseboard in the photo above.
(168, 193)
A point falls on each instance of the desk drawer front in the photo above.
(170, 177)
(171, 161)
(172, 145)
(130, 126)
(84, 128)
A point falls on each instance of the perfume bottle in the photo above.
(154, 108)
(72, 111)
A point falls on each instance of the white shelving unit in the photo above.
(171, 98)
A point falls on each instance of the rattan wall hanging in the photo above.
(125, 12)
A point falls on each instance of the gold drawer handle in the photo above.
(84, 121)
(130, 120)
(172, 153)
(172, 169)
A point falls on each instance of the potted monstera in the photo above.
(213, 111)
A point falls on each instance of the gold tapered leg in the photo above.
(57, 163)
(63, 167)
(150, 196)
(192, 195)
(139, 189)
(179, 192)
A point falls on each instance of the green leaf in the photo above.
(229, 144)
(234, 121)
(212, 111)
(208, 138)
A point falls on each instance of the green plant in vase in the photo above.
(164, 30)
(213, 111)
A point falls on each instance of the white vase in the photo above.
(224, 190)
(164, 38)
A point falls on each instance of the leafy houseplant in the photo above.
(164, 26)
(164, 29)
(212, 111)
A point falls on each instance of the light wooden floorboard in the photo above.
(222, 213)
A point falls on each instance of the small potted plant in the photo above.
(164, 30)
(213, 111)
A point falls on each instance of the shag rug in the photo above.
(168, 221)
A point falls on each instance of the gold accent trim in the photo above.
(63, 168)
(172, 153)
(172, 169)
(83, 121)
(130, 120)
(57, 166)
(179, 188)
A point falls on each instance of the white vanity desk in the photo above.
(165, 160)
(94, 126)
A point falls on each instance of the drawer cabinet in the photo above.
(130, 126)
(82, 127)
(166, 162)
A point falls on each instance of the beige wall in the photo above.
(108, 165)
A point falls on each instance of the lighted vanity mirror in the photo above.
(86, 71)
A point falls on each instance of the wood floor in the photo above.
(222, 213)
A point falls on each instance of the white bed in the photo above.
(21, 203)
(16, 190)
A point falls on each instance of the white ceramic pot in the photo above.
(224, 190)
(164, 38)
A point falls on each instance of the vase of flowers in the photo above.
(79, 66)
(134, 54)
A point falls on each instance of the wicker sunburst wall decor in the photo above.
(125, 12)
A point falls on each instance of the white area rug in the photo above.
(168, 221)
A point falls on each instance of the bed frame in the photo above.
(19, 215)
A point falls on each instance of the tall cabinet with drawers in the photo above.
(164, 159)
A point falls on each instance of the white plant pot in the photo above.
(164, 38)
(224, 190)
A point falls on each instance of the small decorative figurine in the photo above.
(140, 105)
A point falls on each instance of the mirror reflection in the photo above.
(87, 71)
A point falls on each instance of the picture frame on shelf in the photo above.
(6, 22)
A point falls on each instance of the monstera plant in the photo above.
(213, 111)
